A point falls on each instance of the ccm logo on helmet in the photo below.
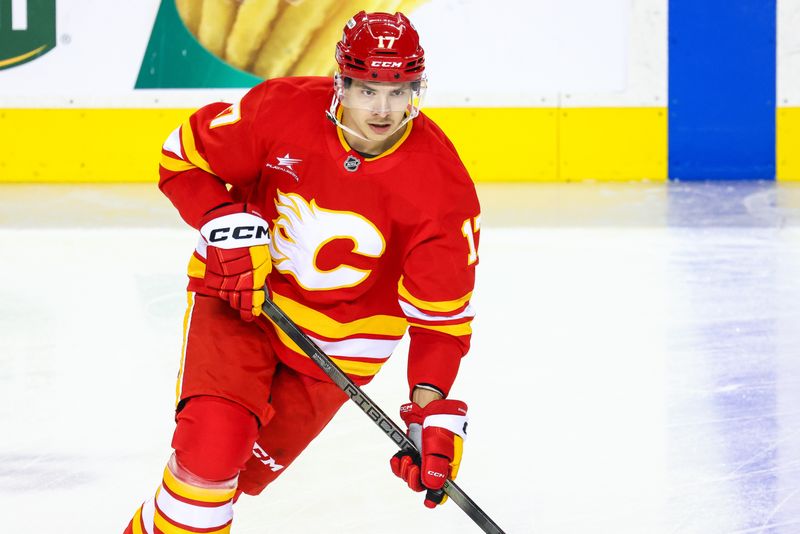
(240, 232)
(389, 64)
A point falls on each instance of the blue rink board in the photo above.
(722, 80)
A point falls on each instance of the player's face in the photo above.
(376, 109)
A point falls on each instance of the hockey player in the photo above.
(354, 211)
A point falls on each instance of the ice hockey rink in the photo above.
(635, 368)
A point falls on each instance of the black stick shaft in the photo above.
(395, 433)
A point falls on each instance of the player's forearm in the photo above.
(423, 396)
(434, 359)
(194, 193)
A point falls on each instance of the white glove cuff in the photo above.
(237, 230)
(457, 424)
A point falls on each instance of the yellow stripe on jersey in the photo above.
(186, 318)
(175, 164)
(197, 268)
(209, 495)
(348, 366)
(461, 329)
(358, 368)
(442, 306)
(321, 324)
(189, 148)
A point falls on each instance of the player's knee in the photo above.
(214, 437)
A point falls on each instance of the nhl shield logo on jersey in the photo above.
(27, 30)
(352, 163)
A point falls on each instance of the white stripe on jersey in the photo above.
(373, 349)
(202, 247)
(173, 143)
(416, 313)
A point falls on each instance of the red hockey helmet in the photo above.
(380, 47)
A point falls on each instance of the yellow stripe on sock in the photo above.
(168, 528)
(209, 495)
(137, 522)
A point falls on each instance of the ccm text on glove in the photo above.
(237, 256)
(438, 430)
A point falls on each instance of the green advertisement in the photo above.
(174, 59)
(227, 44)
(27, 30)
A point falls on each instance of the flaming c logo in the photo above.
(303, 228)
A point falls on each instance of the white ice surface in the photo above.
(636, 372)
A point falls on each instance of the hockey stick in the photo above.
(395, 433)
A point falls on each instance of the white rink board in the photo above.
(789, 53)
(511, 53)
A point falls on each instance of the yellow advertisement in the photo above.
(273, 38)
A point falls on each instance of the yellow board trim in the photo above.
(442, 306)
(461, 329)
(188, 491)
(318, 322)
(511, 144)
(613, 144)
(788, 144)
(348, 366)
(503, 144)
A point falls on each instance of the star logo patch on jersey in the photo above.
(288, 161)
(285, 164)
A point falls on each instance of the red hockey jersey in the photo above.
(362, 248)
